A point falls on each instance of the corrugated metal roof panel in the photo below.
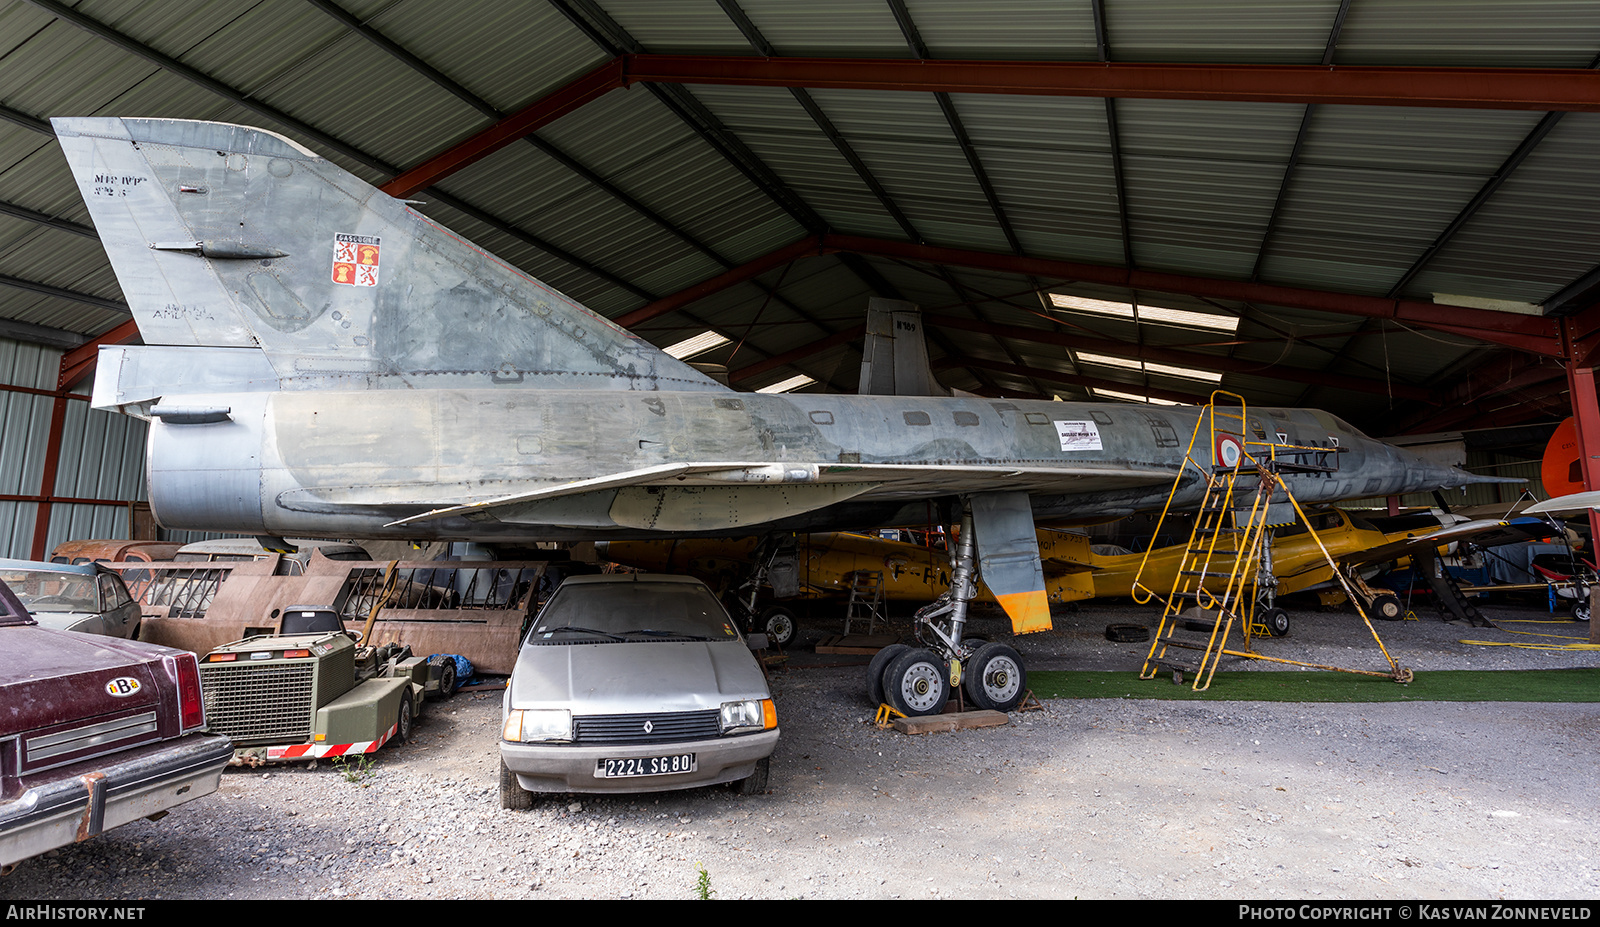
(1538, 232)
(1497, 33)
(1234, 31)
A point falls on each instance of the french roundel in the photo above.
(1230, 450)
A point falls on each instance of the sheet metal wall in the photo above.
(102, 456)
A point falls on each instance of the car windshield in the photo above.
(43, 591)
(632, 611)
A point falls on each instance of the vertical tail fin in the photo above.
(225, 236)
(894, 359)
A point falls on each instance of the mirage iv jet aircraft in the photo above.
(321, 359)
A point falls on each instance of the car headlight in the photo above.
(747, 715)
(535, 725)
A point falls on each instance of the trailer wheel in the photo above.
(447, 674)
(402, 724)
(513, 797)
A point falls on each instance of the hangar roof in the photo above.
(1396, 200)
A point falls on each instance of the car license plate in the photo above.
(646, 766)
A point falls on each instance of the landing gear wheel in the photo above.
(447, 674)
(880, 662)
(917, 683)
(513, 797)
(1387, 607)
(778, 622)
(1277, 622)
(995, 679)
(407, 717)
(1580, 611)
(756, 782)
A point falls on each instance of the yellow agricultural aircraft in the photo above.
(916, 567)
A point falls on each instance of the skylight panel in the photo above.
(1131, 397)
(789, 385)
(1188, 373)
(699, 344)
(1156, 315)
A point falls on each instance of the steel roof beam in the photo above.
(1538, 89)
(39, 218)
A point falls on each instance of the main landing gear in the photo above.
(917, 681)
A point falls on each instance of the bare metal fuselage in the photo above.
(350, 463)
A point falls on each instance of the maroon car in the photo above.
(95, 732)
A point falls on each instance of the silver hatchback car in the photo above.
(634, 683)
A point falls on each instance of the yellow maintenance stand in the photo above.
(1227, 560)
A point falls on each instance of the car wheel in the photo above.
(995, 679)
(880, 662)
(779, 624)
(756, 782)
(915, 683)
(1387, 607)
(447, 674)
(403, 723)
(1277, 622)
(513, 797)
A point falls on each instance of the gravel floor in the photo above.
(1084, 799)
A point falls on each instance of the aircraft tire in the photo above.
(1387, 606)
(996, 679)
(917, 683)
(513, 797)
(880, 662)
(1277, 622)
(1580, 611)
(780, 625)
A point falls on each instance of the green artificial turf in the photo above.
(1560, 685)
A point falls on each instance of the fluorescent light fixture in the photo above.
(789, 385)
(699, 344)
(1157, 315)
(1187, 373)
(1132, 397)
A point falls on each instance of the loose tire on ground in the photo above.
(996, 679)
(513, 797)
(780, 625)
(917, 683)
(880, 662)
(1127, 633)
(756, 782)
